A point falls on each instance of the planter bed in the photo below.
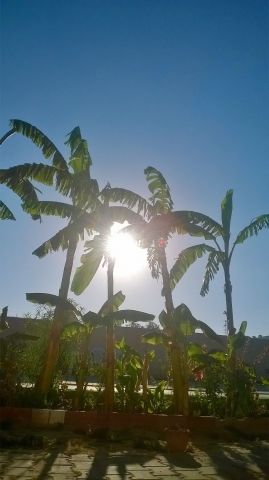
(86, 422)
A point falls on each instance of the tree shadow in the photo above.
(43, 475)
(234, 461)
(181, 460)
(121, 463)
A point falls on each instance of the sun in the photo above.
(129, 258)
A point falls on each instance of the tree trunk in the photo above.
(180, 383)
(144, 381)
(229, 304)
(45, 379)
(110, 345)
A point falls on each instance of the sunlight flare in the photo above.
(129, 258)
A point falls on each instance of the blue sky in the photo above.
(179, 85)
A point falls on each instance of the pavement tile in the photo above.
(154, 462)
(16, 472)
(137, 466)
(57, 469)
(208, 470)
(81, 464)
(80, 457)
(162, 472)
(142, 475)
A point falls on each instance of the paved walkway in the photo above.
(206, 460)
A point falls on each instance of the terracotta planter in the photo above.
(177, 439)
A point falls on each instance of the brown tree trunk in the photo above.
(45, 379)
(229, 304)
(110, 345)
(179, 367)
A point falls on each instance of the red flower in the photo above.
(198, 375)
(162, 243)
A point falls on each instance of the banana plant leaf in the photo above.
(114, 304)
(128, 316)
(52, 301)
(155, 338)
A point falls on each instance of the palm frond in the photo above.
(128, 316)
(187, 324)
(226, 212)
(154, 262)
(80, 159)
(154, 338)
(59, 209)
(52, 301)
(161, 198)
(90, 263)
(258, 224)
(185, 259)
(114, 304)
(48, 148)
(121, 214)
(59, 241)
(209, 332)
(129, 199)
(21, 186)
(92, 318)
(180, 222)
(29, 171)
(7, 135)
(215, 258)
(5, 213)
(84, 191)
(189, 218)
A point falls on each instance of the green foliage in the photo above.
(90, 262)
(161, 198)
(157, 400)
(226, 212)
(229, 382)
(131, 199)
(71, 312)
(80, 159)
(5, 213)
(48, 148)
(128, 374)
(185, 259)
(253, 228)
(215, 258)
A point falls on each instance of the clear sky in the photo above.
(181, 85)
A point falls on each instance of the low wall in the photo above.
(82, 421)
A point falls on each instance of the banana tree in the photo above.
(69, 314)
(218, 255)
(108, 316)
(81, 220)
(226, 373)
(177, 339)
(79, 333)
(153, 233)
(97, 253)
(73, 180)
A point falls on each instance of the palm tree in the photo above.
(87, 213)
(96, 254)
(83, 192)
(217, 255)
(153, 233)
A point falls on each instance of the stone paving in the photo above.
(205, 460)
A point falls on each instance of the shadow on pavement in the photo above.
(124, 463)
(246, 460)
